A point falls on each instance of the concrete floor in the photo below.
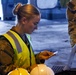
(50, 35)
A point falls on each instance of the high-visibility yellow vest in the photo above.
(23, 56)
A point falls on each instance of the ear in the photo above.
(24, 20)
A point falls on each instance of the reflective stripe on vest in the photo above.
(22, 54)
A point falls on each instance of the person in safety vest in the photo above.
(71, 17)
(15, 45)
(42, 69)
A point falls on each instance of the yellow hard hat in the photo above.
(42, 69)
(19, 71)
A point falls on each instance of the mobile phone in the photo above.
(56, 52)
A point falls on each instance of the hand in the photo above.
(45, 55)
(31, 68)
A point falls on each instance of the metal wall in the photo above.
(7, 6)
(54, 13)
(59, 12)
